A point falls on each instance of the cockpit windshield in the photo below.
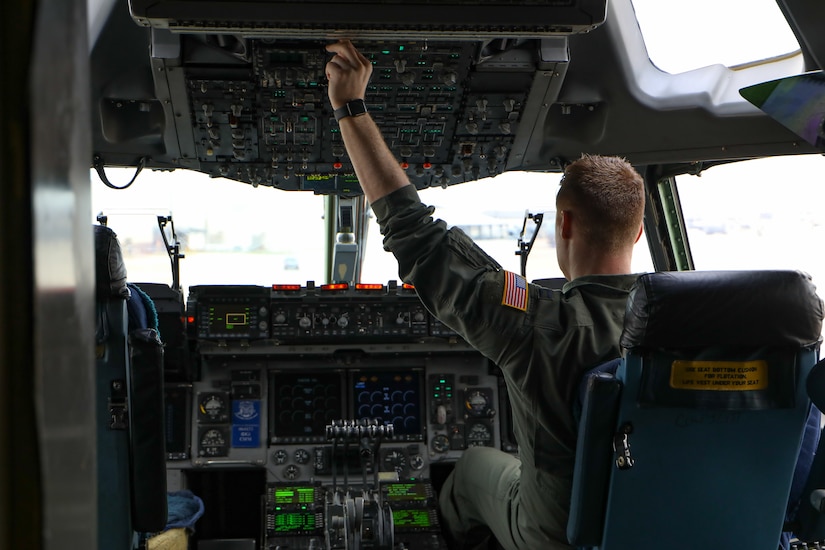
(232, 233)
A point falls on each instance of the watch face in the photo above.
(357, 107)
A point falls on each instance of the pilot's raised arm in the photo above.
(543, 341)
(411, 234)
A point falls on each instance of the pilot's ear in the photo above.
(565, 226)
(639, 236)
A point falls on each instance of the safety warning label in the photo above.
(719, 375)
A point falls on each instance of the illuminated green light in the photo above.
(385, 52)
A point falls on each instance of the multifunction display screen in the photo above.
(391, 398)
(302, 404)
(293, 521)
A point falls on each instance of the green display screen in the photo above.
(292, 522)
(411, 518)
(406, 492)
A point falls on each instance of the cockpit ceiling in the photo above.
(456, 104)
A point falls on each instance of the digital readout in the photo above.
(293, 495)
(406, 492)
(411, 518)
(291, 522)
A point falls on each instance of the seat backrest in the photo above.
(112, 340)
(129, 403)
(708, 407)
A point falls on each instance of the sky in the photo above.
(681, 36)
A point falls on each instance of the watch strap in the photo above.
(356, 107)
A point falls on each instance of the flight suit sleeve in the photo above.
(457, 281)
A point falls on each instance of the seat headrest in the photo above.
(693, 309)
(110, 271)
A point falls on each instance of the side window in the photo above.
(757, 214)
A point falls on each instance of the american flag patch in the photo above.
(515, 291)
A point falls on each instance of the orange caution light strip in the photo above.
(369, 286)
(335, 286)
(286, 287)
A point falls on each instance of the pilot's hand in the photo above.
(348, 73)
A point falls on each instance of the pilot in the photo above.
(542, 340)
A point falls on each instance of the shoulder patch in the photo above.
(515, 291)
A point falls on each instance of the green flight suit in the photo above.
(542, 340)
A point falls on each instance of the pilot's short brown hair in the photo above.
(607, 194)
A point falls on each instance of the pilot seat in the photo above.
(691, 439)
(131, 456)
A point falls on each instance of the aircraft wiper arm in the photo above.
(173, 250)
(524, 248)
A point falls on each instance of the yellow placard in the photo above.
(719, 375)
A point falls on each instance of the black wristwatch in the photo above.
(356, 107)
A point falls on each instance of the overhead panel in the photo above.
(434, 19)
(258, 111)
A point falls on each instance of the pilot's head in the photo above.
(599, 211)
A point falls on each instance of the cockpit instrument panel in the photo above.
(342, 400)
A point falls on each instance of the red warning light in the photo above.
(369, 286)
(286, 288)
(335, 286)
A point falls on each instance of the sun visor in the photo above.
(797, 102)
